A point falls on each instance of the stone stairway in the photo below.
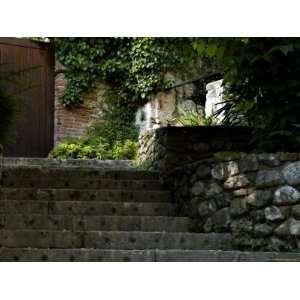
(94, 212)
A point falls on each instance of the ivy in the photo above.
(135, 67)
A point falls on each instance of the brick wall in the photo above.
(71, 122)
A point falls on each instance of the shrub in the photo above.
(261, 82)
(194, 118)
(94, 148)
(117, 124)
(126, 150)
(82, 148)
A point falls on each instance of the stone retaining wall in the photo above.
(169, 147)
(255, 197)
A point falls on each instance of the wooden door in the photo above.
(33, 132)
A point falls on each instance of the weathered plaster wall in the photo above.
(214, 99)
(164, 107)
(161, 110)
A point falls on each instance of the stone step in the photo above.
(68, 163)
(84, 195)
(80, 183)
(97, 208)
(34, 173)
(225, 256)
(96, 255)
(119, 240)
(78, 223)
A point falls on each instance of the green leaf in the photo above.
(211, 50)
(199, 46)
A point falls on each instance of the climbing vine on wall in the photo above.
(135, 67)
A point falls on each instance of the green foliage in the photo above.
(116, 123)
(94, 148)
(125, 150)
(82, 148)
(136, 67)
(112, 137)
(193, 118)
(261, 81)
(146, 165)
(227, 155)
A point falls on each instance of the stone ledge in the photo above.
(95, 255)
(169, 147)
(68, 163)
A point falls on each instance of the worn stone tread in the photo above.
(85, 195)
(224, 256)
(119, 223)
(58, 173)
(67, 163)
(92, 255)
(80, 183)
(86, 208)
(133, 240)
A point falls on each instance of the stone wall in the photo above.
(217, 179)
(255, 197)
(169, 147)
(163, 107)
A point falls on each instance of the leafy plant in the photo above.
(261, 82)
(136, 67)
(82, 148)
(126, 150)
(116, 122)
(94, 148)
(193, 118)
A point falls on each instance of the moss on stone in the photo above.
(227, 155)
(146, 165)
